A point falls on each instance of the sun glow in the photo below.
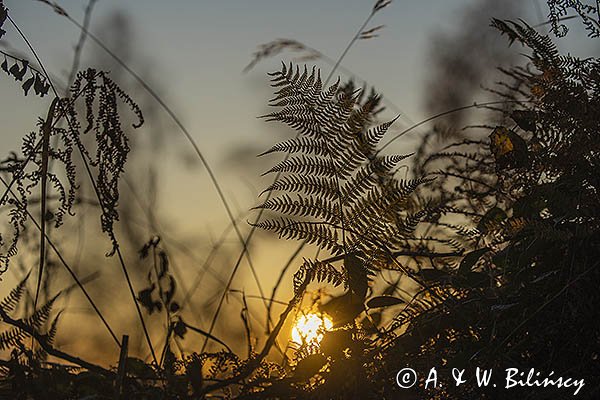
(309, 328)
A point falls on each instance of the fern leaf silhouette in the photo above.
(337, 192)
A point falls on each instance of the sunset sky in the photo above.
(193, 53)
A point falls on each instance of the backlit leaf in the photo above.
(27, 85)
(383, 301)
(493, 216)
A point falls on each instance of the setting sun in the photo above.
(309, 328)
(292, 199)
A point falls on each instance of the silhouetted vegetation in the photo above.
(486, 255)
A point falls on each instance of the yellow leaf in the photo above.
(501, 142)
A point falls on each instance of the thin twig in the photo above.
(187, 135)
(86, 164)
(442, 114)
(80, 43)
(68, 268)
(208, 335)
(350, 44)
(255, 362)
(282, 274)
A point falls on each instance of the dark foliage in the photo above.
(524, 207)
(588, 13)
(530, 196)
(339, 193)
(497, 240)
(96, 91)
(20, 69)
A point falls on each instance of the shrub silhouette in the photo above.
(497, 236)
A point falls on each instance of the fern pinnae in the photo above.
(303, 123)
(318, 271)
(372, 137)
(295, 87)
(379, 203)
(11, 338)
(313, 232)
(367, 177)
(350, 132)
(43, 313)
(305, 165)
(9, 303)
(303, 206)
(308, 184)
(15, 335)
(297, 145)
(50, 335)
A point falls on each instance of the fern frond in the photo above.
(42, 314)
(9, 303)
(11, 338)
(543, 47)
(298, 145)
(373, 136)
(51, 334)
(318, 271)
(14, 336)
(344, 188)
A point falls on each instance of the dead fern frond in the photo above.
(101, 98)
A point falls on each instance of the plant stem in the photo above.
(442, 114)
(68, 268)
(82, 153)
(41, 339)
(354, 39)
(188, 137)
